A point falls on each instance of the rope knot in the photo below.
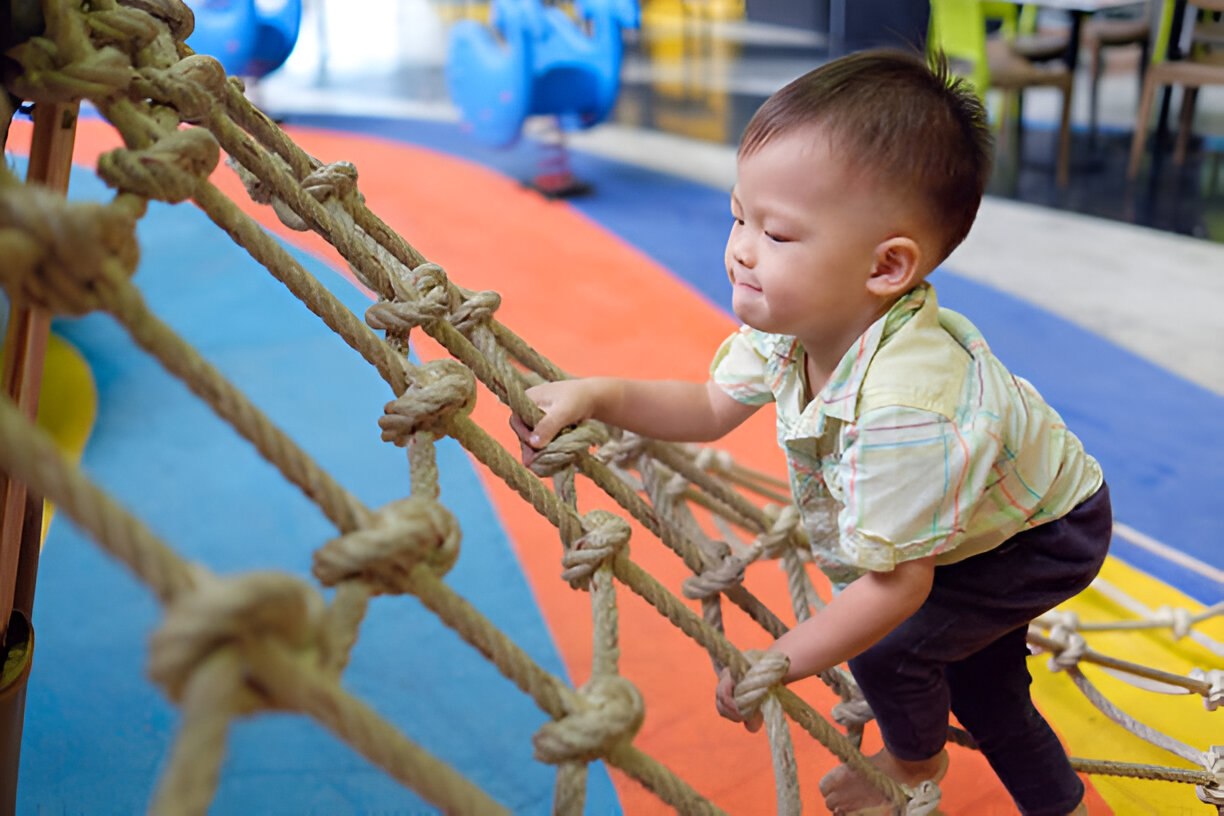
(475, 310)
(673, 485)
(728, 573)
(167, 171)
(1178, 619)
(338, 179)
(1071, 648)
(766, 671)
(783, 520)
(177, 16)
(66, 257)
(1213, 763)
(1066, 618)
(438, 390)
(411, 308)
(1214, 696)
(606, 535)
(622, 450)
(46, 76)
(714, 460)
(853, 713)
(245, 613)
(125, 28)
(609, 713)
(566, 448)
(925, 799)
(402, 534)
(191, 86)
(335, 180)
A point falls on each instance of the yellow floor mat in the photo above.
(1091, 735)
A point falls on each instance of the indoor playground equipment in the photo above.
(535, 60)
(241, 644)
(250, 38)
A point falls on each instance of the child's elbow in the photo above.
(726, 414)
(912, 581)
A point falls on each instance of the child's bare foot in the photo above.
(846, 793)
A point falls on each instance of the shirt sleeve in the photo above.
(908, 478)
(740, 367)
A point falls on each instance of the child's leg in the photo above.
(974, 603)
(990, 697)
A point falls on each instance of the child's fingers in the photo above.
(554, 422)
(724, 700)
(528, 453)
(520, 427)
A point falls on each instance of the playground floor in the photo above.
(1117, 324)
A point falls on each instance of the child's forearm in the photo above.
(856, 618)
(671, 410)
(662, 409)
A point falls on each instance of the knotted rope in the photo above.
(168, 171)
(756, 692)
(202, 656)
(408, 545)
(68, 258)
(438, 391)
(609, 713)
(191, 86)
(401, 535)
(607, 534)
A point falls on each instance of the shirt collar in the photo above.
(839, 396)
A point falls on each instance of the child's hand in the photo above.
(564, 403)
(724, 701)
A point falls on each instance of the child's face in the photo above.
(803, 241)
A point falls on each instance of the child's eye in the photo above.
(776, 238)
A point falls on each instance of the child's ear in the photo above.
(896, 267)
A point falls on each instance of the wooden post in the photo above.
(24, 348)
(20, 512)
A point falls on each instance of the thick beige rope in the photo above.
(146, 81)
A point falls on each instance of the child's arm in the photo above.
(670, 410)
(857, 617)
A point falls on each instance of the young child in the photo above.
(944, 499)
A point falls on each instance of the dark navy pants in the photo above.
(964, 650)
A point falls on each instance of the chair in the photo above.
(1019, 28)
(1149, 30)
(958, 28)
(1203, 65)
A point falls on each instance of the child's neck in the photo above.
(816, 376)
(823, 354)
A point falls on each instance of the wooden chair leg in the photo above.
(1017, 123)
(1098, 57)
(1185, 123)
(1064, 140)
(1150, 84)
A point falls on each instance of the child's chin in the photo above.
(748, 313)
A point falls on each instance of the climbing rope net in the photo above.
(235, 645)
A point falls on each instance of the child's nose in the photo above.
(741, 250)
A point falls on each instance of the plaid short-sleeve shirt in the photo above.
(921, 442)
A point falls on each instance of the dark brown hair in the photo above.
(907, 123)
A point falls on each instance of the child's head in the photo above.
(904, 127)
